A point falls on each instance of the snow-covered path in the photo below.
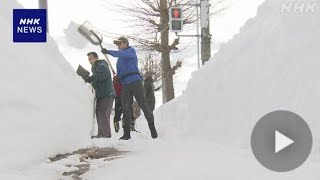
(272, 64)
(189, 159)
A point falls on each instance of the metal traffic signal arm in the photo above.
(204, 16)
(176, 19)
(198, 35)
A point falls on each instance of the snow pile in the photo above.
(44, 106)
(272, 64)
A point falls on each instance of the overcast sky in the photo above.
(100, 13)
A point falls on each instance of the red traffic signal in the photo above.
(176, 19)
(176, 12)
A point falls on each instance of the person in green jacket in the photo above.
(102, 84)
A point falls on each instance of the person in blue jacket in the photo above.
(128, 72)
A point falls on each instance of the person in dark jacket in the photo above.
(128, 72)
(117, 107)
(149, 89)
(102, 84)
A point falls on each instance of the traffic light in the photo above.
(175, 19)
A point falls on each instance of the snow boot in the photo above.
(132, 126)
(116, 126)
(99, 136)
(126, 134)
(153, 130)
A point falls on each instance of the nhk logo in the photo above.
(299, 7)
(29, 29)
(29, 25)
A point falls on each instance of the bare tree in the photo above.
(151, 17)
(151, 64)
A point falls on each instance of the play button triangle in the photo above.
(281, 141)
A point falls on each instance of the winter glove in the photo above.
(116, 79)
(89, 79)
(104, 51)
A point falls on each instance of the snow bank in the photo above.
(44, 106)
(272, 64)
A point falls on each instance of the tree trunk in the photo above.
(167, 80)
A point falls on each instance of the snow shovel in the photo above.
(91, 34)
(81, 71)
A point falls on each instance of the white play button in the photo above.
(281, 141)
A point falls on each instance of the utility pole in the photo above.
(205, 31)
(43, 4)
(198, 36)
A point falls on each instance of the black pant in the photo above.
(136, 90)
(117, 110)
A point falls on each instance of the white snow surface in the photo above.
(45, 108)
(272, 64)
